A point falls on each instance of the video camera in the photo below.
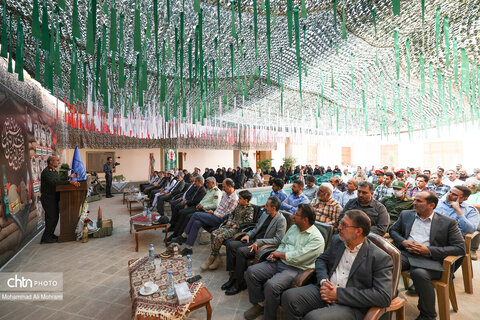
(116, 164)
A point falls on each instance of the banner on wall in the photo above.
(27, 139)
(244, 160)
(170, 159)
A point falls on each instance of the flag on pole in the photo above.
(78, 167)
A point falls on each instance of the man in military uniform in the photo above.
(50, 197)
(379, 180)
(397, 202)
(108, 169)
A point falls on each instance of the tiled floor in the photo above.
(96, 281)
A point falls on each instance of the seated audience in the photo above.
(421, 185)
(397, 202)
(300, 246)
(428, 173)
(350, 193)
(186, 204)
(452, 179)
(423, 254)
(295, 198)
(269, 229)
(326, 208)
(353, 275)
(208, 218)
(162, 179)
(310, 189)
(455, 207)
(437, 186)
(385, 189)
(243, 213)
(150, 182)
(160, 198)
(375, 210)
(277, 190)
(474, 199)
(209, 201)
(379, 179)
(166, 182)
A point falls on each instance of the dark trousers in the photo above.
(176, 207)
(422, 280)
(476, 241)
(143, 186)
(306, 303)
(51, 217)
(238, 254)
(160, 203)
(183, 217)
(108, 187)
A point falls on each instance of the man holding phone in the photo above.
(269, 229)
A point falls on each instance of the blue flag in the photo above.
(78, 167)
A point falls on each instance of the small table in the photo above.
(157, 306)
(140, 223)
(134, 199)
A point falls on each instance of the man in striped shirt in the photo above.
(326, 208)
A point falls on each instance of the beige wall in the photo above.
(207, 158)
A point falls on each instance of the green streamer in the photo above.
(218, 15)
(397, 53)
(97, 69)
(274, 19)
(239, 2)
(19, 51)
(422, 73)
(61, 4)
(45, 30)
(113, 29)
(267, 14)
(36, 29)
(407, 46)
(374, 22)
(234, 30)
(196, 5)
(103, 65)
(73, 70)
(56, 56)
(38, 75)
(344, 27)
(289, 21)
(163, 85)
(430, 73)
(437, 28)
(297, 51)
(190, 66)
(396, 7)
(465, 71)
(423, 12)
(446, 32)
(75, 21)
(121, 57)
(255, 25)
(304, 9)
(4, 52)
(137, 37)
(91, 27)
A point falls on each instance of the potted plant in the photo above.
(265, 164)
(289, 162)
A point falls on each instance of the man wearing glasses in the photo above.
(353, 275)
(266, 281)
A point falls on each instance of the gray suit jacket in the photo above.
(178, 188)
(445, 237)
(275, 230)
(369, 281)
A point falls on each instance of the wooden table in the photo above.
(201, 300)
(130, 201)
(138, 228)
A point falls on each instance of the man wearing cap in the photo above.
(397, 202)
(380, 174)
(384, 189)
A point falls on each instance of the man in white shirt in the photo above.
(452, 179)
(350, 193)
(353, 275)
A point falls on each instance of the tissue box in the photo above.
(183, 293)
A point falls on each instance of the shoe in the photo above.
(170, 238)
(473, 255)
(186, 251)
(229, 283)
(207, 263)
(108, 196)
(233, 290)
(179, 239)
(253, 312)
(216, 263)
(49, 240)
(54, 236)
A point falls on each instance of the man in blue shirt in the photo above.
(277, 190)
(295, 198)
(455, 207)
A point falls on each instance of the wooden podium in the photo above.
(71, 200)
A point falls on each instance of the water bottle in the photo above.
(170, 284)
(151, 254)
(149, 216)
(189, 267)
(144, 209)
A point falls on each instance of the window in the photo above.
(389, 155)
(96, 160)
(445, 154)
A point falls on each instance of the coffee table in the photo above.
(140, 223)
(157, 306)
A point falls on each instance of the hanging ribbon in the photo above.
(267, 16)
(91, 27)
(407, 46)
(396, 7)
(397, 53)
(297, 51)
(446, 33)
(289, 21)
(137, 37)
(344, 27)
(437, 28)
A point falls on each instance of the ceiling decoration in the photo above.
(314, 67)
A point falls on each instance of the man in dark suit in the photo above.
(353, 274)
(425, 238)
(177, 189)
(108, 168)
